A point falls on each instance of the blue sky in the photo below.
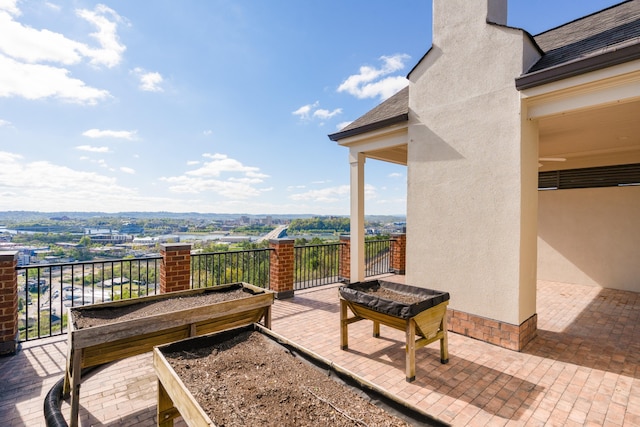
(207, 106)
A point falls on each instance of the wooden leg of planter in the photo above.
(267, 317)
(444, 341)
(344, 336)
(75, 379)
(66, 388)
(376, 329)
(166, 412)
(410, 349)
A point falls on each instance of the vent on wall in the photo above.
(605, 176)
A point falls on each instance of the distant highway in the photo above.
(278, 232)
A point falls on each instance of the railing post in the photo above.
(345, 259)
(8, 302)
(281, 267)
(175, 268)
(398, 252)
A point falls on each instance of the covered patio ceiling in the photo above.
(603, 136)
(396, 154)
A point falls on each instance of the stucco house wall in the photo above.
(590, 236)
(487, 109)
(471, 175)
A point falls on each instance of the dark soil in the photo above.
(103, 316)
(250, 380)
(392, 295)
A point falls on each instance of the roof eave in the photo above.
(369, 127)
(577, 67)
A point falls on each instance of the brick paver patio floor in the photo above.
(583, 368)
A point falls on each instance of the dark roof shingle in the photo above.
(604, 31)
(393, 110)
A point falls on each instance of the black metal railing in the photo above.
(46, 291)
(377, 257)
(217, 268)
(316, 265)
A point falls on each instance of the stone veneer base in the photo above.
(10, 347)
(284, 294)
(512, 337)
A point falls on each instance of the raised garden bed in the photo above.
(102, 333)
(251, 376)
(416, 311)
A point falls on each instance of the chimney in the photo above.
(453, 18)
(497, 12)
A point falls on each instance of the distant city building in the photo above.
(131, 228)
(110, 238)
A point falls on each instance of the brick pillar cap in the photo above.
(282, 240)
(345, 237)
(398, 234)
(175, 246)
(8, 256)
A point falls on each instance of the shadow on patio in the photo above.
(583, 367)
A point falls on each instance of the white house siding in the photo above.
(590, 236)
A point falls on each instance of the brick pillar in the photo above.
(8, 302)
(398, 252)
(175, 269)
(345, 259)
(281, 267)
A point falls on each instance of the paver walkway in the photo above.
(583, 368)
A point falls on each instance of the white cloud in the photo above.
(32, 46)
(325, 195)
(395, 175)
(373, 82)
(229, 189)
(121, 134)
(10, 6)
(332, 194)
(33, 60)
(326, 114)
(4, 123)
(92, 149)
(310, 111)
(127, 170)
(53, 6)
(35, 81)
(39, 178)
(221, 163)
(193, 162)
(44, 186)
(24, 43)
(149, 81)
(209, 178)
(207, 132)
(106, 20)
(304, 111)
(343, 125)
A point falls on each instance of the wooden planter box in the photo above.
(106, 343)
(426, 319)
(175, 399)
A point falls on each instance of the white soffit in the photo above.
(381, 139)
(614, 85)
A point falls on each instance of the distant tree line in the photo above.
(323, 224)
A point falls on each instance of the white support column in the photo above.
(356, 161)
